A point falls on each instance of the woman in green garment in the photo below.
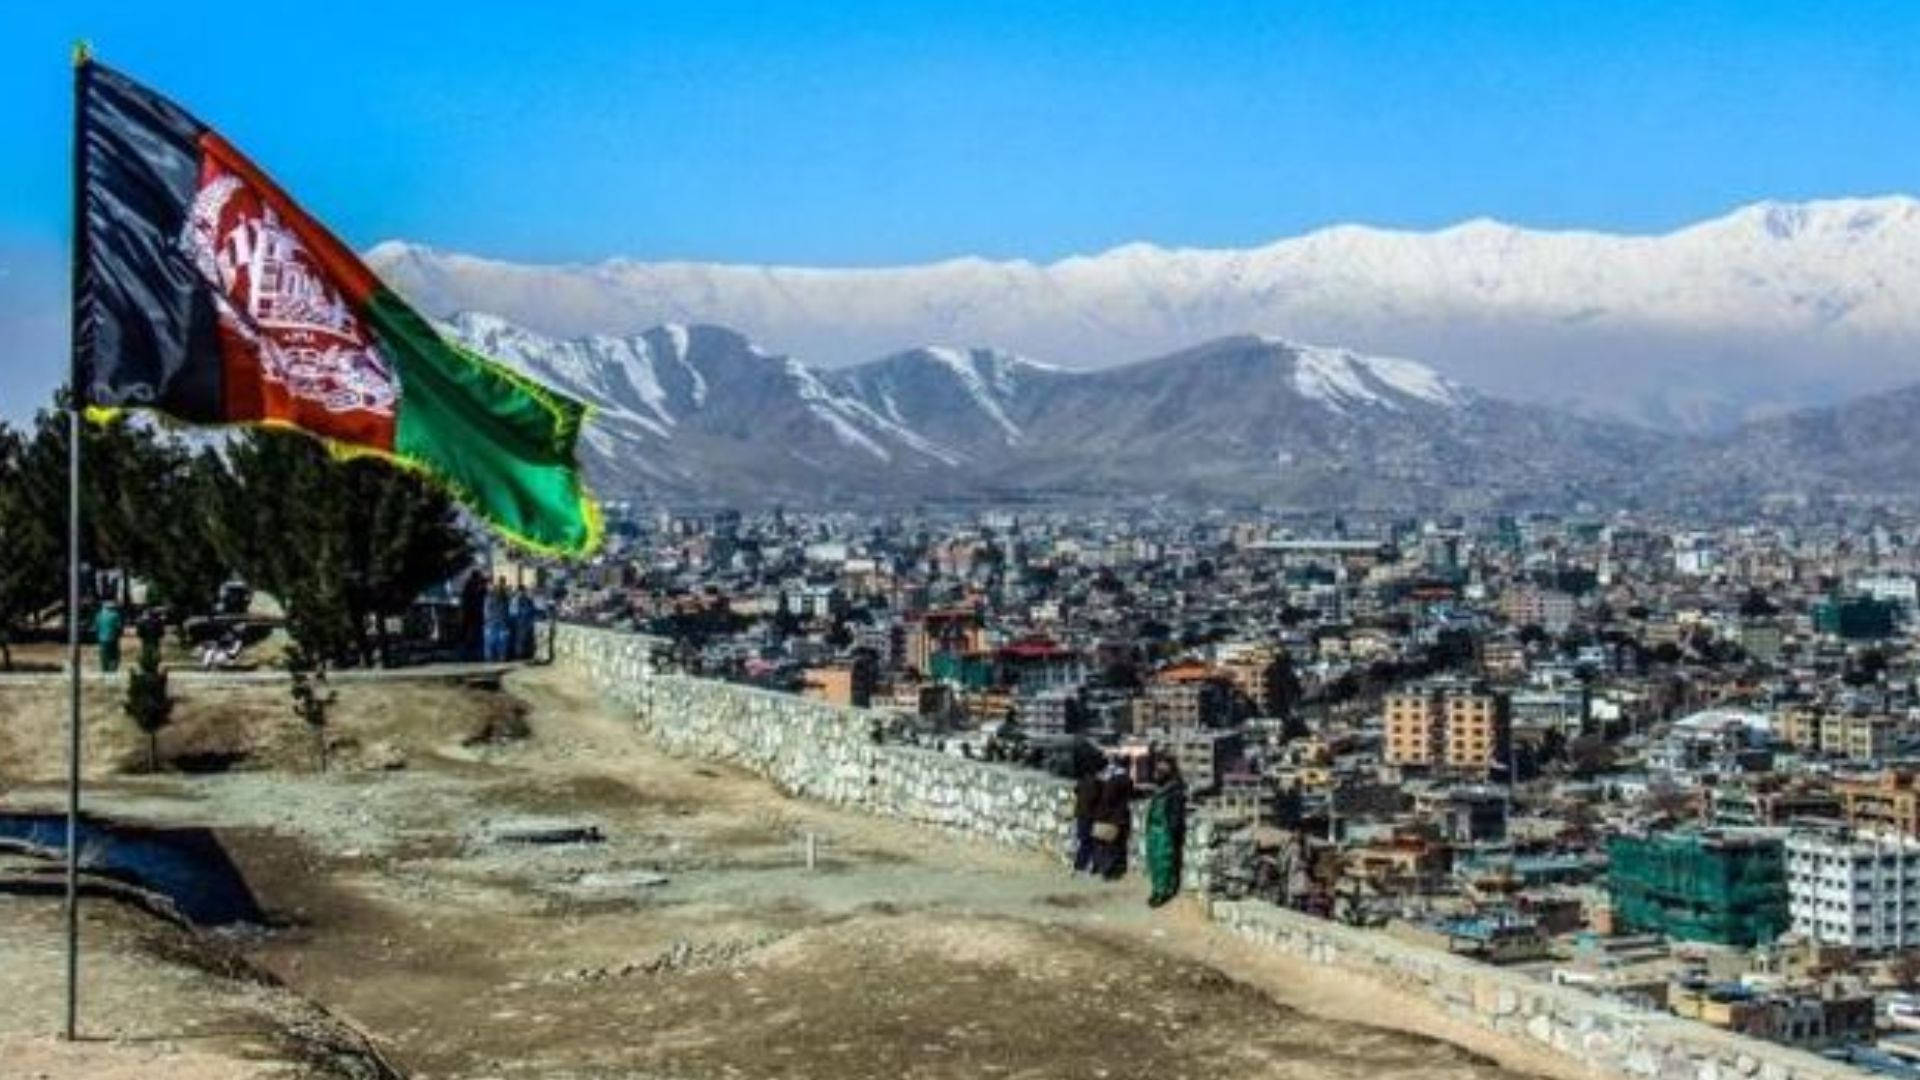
(1166, 830)
(106, 628)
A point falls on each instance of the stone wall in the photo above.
(819, 751)
(1608, 1036)
(823, 752)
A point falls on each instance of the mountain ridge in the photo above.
(1772, 306)
(702, 410)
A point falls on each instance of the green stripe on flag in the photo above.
(503, 443)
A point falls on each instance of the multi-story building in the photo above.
(1549, 609)
(1415, 734)
(1258, 673)
(1724, 887)
(1855, 618)
(1243, 799)
(1477, 730)
(1456, 726)
(1188, 700)
(1767, 803)
(1858, 738)
(1862, 892)
(1887, 803)
(1799, 726)
(1761, 639)
(1049, 712)
(950, 630)
(1503, 659)
(1038, 665)
(1205, 757)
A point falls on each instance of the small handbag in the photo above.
(1106, 831)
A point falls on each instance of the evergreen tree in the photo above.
(344, 545)
(147, 703)
(312, 700)
(31, 546)
(142, 510)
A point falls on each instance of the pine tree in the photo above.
(312, 700)
(147, 701)
(31, 546)
(343, 545)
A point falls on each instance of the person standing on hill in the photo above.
(520, 623)
(1086, 792)
(473, 602)
(497, 633)
(106, 627)
(1112, 822)
(1166, 830)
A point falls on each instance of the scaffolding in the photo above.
(1730, 889)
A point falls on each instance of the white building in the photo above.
(1901, 589)
(1861, 892)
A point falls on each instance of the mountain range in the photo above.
(1773, 307)
(701, 413)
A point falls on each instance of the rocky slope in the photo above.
(701, 412)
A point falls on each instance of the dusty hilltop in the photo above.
(408, 931)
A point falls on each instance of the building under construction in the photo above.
(1724, 887)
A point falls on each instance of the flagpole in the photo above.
(76, 402)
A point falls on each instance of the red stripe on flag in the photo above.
(296, 347)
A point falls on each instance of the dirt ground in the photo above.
(693, 941)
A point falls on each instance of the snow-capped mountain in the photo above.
(1771, 307)
(701, 412)
(686, 409)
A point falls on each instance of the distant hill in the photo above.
(701, 412)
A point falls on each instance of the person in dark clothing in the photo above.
(473, 603)
(520, 624)
(498, 634)
(1086, 791)
(1166, 830)
(1112, 822)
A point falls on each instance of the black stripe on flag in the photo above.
(144, 320)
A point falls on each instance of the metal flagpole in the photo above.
(76, 403)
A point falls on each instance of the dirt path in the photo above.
(695, 942)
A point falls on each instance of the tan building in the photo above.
(1549, 609)
(1858, 738)
(1887, 802)
(955, 630)
(1188, 697)
(1253, 671)
(1503, 659)
(1799, 727)
(1456, 727)
(1413, 730)
(1476, 731)
(833, 685)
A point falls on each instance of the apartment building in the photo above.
(1549, 609)
(1800, 726)
(1858, 738)
(1862, 891)
(1455, 726)
(1188, 698)
(1886, 803)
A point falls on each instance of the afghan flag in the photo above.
(204, 293)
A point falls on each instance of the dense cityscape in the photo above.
(1669, 764)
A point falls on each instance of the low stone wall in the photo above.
(819, 751)
(831, 754)
(1608, 1036)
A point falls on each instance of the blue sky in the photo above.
(893, 132)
